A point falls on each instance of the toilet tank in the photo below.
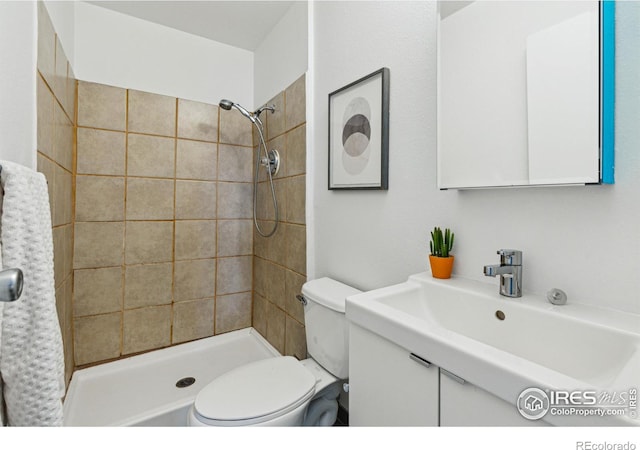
(326, 324)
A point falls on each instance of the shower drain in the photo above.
(185, 382)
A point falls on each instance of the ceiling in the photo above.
(239, 23)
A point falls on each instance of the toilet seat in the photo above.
(255, 393)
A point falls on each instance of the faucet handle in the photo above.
(510, 257)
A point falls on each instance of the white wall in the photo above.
(282, 57)
(124, 51)
(584, 240)
(18, 25)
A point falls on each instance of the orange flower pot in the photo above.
(441, 267)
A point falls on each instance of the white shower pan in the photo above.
(142, 391)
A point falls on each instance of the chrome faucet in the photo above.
(510, 271)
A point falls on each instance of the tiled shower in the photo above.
(147, 270)
(152, 207)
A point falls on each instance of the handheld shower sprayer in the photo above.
(271, 160)
(228, 104)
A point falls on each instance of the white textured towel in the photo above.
(31, 356)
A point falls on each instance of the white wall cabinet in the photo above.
(386, 386)
(390, 387)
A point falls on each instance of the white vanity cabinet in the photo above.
(464, 405)
(387, 387)
(390, 386)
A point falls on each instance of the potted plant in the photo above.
(440, 258)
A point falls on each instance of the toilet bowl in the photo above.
(283, 391)
(280, 391)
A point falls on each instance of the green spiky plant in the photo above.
(441, 244)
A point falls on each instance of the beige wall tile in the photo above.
(259, 242)
(233, 312)
(235, 237)
(59, 82)
(66, 294)
(195, 239)
(282, 193)
(101, 152)
(148, 285)
(46, 44)
(63, 196)
(98, 244)
(235, 128)
(97, 338)
(196, 160)
(149, 199)
(152, 113)
(296, 195)
(62, 253)
(265, 207)
(146, 329)
(260, 276)
(259, 312)
(44, 118)
(148, 242)
(235, 200)
(195, 279)
(58, 255)
(61, 305)
(235, 163)
(293, 287)
(297, 151)
(276, 327)
(195, 200)
(101, 106)
(197, 120)
(295, 339)
(62, 138)
(273, 248)
(150, 156)
(99, 198)
(276, 121)
(234, 275)
(97, 291)
(296, 258)
(275, 284)
(295, 96)
(192, 320)
(47, 168)
(67, 249)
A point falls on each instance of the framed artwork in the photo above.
(359, 133)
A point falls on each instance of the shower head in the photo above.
(227, 104)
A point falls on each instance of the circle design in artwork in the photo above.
(356, 135)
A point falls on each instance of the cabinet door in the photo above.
(463, 405)
(386, 386)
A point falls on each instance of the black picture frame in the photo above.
(359, 134)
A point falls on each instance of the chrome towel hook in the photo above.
(11, 283)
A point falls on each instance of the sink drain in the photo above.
(185, 382)
(500, 315)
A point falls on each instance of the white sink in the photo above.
(453, 323)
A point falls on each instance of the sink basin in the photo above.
(506, 345)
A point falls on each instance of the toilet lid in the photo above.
(254, 390)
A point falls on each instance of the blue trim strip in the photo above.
(608, 90)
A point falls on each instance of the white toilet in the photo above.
(283, 391)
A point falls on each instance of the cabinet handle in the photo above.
(419, 360)
(454, 377)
